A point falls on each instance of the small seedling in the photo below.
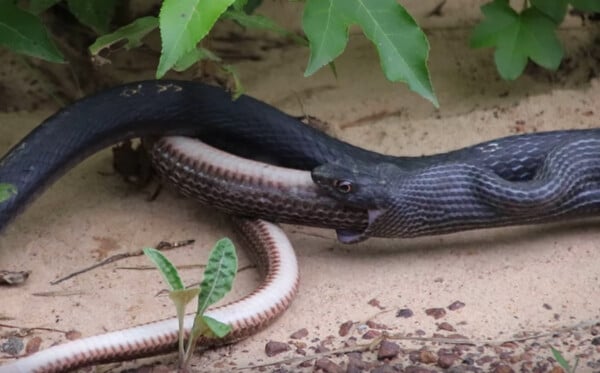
(218, 279)
(563, 362)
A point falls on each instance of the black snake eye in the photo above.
(343, 186)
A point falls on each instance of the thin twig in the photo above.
(106, 261)
(161, 246)
(27, 329)
(369, 119)
(57, 293)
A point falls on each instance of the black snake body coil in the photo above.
(524, 179)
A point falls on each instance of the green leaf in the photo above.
(517, 37)
(499, 17)
(166, 268)
(533, 36)
(586, 5)
(132, 33)
(561, 360)
(39, 6)
(555, 9)
(182, 25)
(96, 14)
(24, 33)
(217, 328)
(193, 56)
(402, 45)
(6, 191)
(218, 275)
(257, 21)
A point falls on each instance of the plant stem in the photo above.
(180, 318)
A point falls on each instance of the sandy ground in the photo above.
(524, 289)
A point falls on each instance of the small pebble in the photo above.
(446, 359)
(375, 303)
(13, 346)
(387, 350)
(355, 364)
(405, 313)
(436, 313)
(596, 341)
(427, 357)
(273, 348)
(371, 334)
(456, 305)
(345, 328)
(328, 366)
(374, 325)
(446, 326)
(73, 335)
(299, 334)
(457, 336)
(484, 360)
(511, 345)
(33, 345)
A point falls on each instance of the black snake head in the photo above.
(357, 185)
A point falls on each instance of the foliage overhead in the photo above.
(402, 45)
(132, 34)
(182, 25)
(526, 35)
(96, 14)
(517, 35)
(24, 33)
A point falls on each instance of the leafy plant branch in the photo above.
(526, 35)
